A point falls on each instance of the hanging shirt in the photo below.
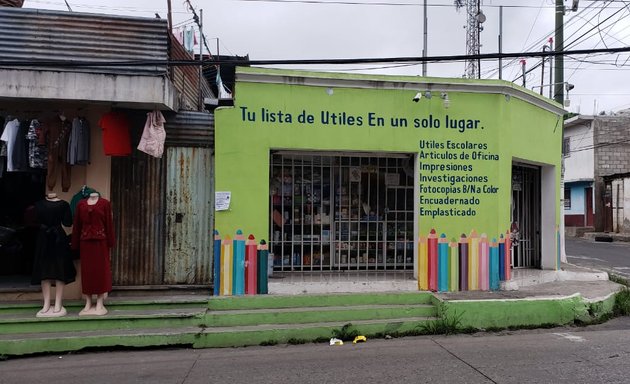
(79, 142)
(20, 148)
(154, 135)
(8, 136)
(189, 35)
(37, 152)
(116, 139)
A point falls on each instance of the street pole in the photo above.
(200, 58)
(424, 49)
(559, 70)
(500, 41)
(170, 16)
(550, 68)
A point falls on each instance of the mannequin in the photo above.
(53, 263)
(93, 236)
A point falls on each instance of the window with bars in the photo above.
(331, 212)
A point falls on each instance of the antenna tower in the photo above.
(474, 21)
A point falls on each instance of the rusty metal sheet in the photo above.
(137, 195)
(189, 216)
(190, 129)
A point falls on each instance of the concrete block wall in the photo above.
(612, 156)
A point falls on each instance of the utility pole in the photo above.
(500, 41)
(424, 48)
(558, 93)
(169, 16)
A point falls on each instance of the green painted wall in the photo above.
(498, 127)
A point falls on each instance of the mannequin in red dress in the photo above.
(93, 235)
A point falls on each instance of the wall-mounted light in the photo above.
(427, 94)
(445, 100)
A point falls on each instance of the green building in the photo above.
(342, 172)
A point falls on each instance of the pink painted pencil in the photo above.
(433, 257)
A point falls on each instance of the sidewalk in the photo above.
(307, 307)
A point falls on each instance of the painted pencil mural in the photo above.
(240, 265)
(474, 262)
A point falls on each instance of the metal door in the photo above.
(188, 253)
(526, 220)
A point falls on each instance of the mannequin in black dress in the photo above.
(53, 262)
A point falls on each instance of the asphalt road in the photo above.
(613, 257)
(593, 354)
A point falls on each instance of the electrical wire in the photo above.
(218, 61)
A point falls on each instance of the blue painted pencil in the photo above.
(442, 263)
(494, 266)
(238, 287)
(217, 263)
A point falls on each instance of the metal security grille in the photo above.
(526, 213)
(332, 212)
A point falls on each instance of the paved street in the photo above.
(561, 355)
(613, 257)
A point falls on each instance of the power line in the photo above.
(218, 61)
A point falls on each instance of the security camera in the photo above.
(417, 97)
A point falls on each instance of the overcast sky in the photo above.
(315, 29)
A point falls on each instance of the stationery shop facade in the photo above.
(341, 172)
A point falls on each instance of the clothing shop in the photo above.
(345, 172)
(53, 157)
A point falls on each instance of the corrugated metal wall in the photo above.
(33, 34)
(138, 183)
(189, 216)
(164, 207)
(185, 78)
(190, 129)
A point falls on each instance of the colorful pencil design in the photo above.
(473, 261)
(494, 265)
(238, 264)
(263, 254)
(217, 263)
(432, 244)
(423, 264)
(484, 282)
(442, 263)
(508, 256)
(501, 258)
(463, 263)
(251, 263)
(453, 277)
(226, 266)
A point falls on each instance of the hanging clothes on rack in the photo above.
(20, 148)
(154, 135)
(58, 130)
(37, 147)
(3, 147)
(116, 138)
(8, 136)
(79, 142)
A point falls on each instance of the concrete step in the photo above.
(316, 314)
(222, 303)
(200, 337)
(217, 322)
